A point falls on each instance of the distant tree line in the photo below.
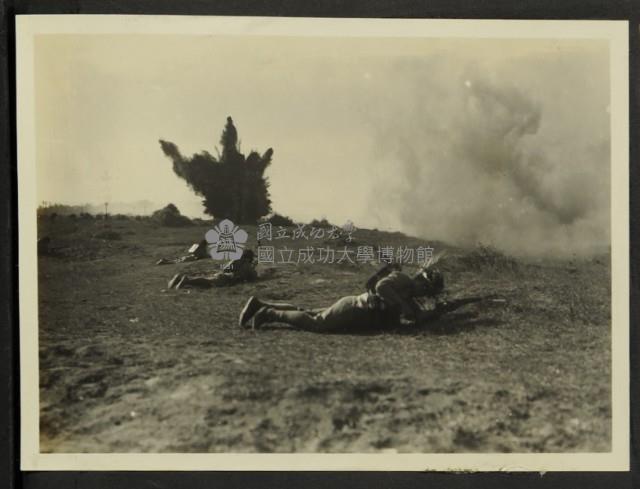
(50, 208)
(139, 207)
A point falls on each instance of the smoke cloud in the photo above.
(473, 159)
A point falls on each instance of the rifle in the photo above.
(450, 306)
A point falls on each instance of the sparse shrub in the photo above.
(48, 208)
(278, 220)
(201, 222)
(487, 256)
(170, 216)
(320, 223)
(343, 240)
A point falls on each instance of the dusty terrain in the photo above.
(129, 366)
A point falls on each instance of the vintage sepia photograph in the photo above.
(342, 243)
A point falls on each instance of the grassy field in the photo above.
(129, 366)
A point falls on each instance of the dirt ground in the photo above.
(129, 366)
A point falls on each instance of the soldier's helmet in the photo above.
(431, 282)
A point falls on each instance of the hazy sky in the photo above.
(347, 119)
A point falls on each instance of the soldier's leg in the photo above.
(298, 319)
(187, 258)
(199, 282)
(341, 315)
(285, 306)
(219, 279)
(254, 304)
(281, 306)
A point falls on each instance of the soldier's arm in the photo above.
(390, 292)
(445, 307)
(229, 266)
(385, 270)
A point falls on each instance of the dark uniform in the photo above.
(235, 271)
(196, 252)
(382, 307)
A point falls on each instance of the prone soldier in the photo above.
(391, 299)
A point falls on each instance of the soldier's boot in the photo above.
(181, 282)
(250, 308)
(263, 316)
(175, 280)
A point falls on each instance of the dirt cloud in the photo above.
(469, 158)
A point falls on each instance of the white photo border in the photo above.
(616, 32)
